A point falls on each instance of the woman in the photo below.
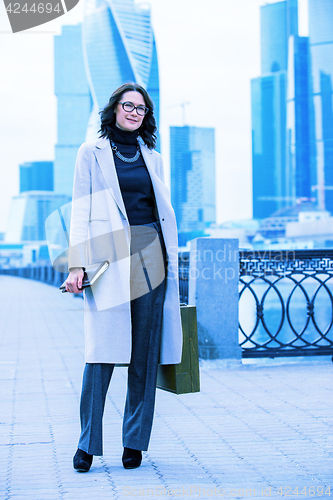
(121, 212)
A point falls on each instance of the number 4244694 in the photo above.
(306, 491)
(39, 8)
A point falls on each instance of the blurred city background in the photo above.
(276, 192)
(243, 98)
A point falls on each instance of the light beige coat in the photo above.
(98, 211)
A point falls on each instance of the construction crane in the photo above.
(180, 105)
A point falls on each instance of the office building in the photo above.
(300, 159)
(28, 213)
(36, 176)
(283, 152)
(73, 104)
(321, 49)
(36, 201)
(269, 109)
(268, 96)
(192, 156)
(278, 21)
(269, 113)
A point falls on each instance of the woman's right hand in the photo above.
(74, 280)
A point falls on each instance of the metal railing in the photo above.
(40, 273)
(292, 295)
(285, 300)
(49, 275)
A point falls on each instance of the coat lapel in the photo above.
(147, 156)
(105, 160)
(160, 188)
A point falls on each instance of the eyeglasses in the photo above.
(129, 106)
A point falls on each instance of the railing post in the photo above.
(48, 275)
(213, 289)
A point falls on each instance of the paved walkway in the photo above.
(258, 430)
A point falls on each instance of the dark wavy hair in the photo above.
(148, 127)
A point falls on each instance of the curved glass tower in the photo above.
(119, 46)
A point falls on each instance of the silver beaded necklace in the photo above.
(123, 158)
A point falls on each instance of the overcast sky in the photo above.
(208, 52)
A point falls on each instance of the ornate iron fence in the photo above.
(292, 295)
(40, 273)
(285, 300)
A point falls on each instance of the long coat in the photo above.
(99, 215)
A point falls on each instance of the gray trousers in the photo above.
(146, 315)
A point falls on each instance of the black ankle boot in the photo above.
(82, 461)
(131, 458)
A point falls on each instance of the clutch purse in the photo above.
(184, 377)
(91, 275)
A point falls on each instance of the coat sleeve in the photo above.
(81, 203)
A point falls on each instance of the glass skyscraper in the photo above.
(278, 21)
(28, 213)
(293, 162)
(36, 201)
(73, 105)
(269, 110)
(192, 155)
(283, 153)
(36, 176)
(268, 143)
(300, 161)
(321, 48)
(119, 46)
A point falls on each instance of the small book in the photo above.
(91, 275)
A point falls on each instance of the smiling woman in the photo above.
(132, 315)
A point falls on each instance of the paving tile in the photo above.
(255, 427)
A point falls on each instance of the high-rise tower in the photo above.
(282, 118)
(300, 173)
(73, 105)
(321, 48)
(278, 21)
(269, 112)
(268, 96)
(192, 155)
(36, 176)
(119, 46)
(36, 201)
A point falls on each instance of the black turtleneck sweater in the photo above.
(134, 180)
